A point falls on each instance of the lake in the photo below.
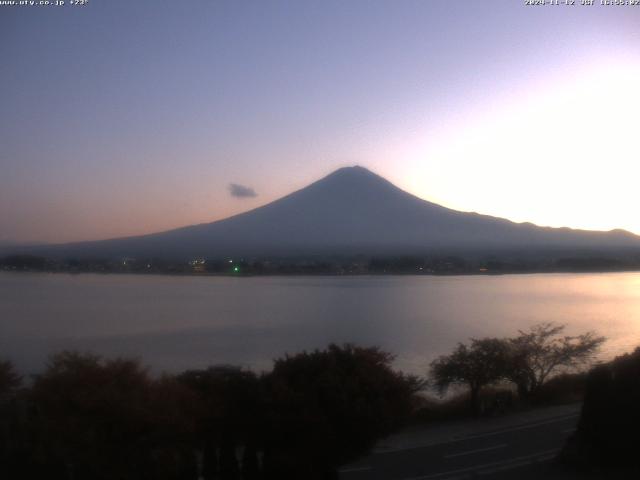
(178, 322)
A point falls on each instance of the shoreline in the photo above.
(322, 274)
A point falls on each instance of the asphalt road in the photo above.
(519, 449)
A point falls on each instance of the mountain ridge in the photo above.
(351, 210)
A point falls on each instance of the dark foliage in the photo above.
(610, 419)
(9, 379)
(542, 351)
(528, 361)
(562, 389)
(455, 262)
(96, 419)
(589, 264)
(481, 363)
(88, 418)
(328, 407)
(230, 419)
(25, 262)
(11, 434)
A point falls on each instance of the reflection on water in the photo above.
(174, 323)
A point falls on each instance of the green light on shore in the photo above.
(236, 269)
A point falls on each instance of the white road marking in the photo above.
(479, 450)
(521, 463)
(479, 435)
(502, 465)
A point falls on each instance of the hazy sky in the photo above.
(126, 117)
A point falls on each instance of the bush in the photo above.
(96, 419)
(562, 389)
(492, 401)
(90, 418)
(529, 361)
(610, 418)
(329, 407)
(230, 416)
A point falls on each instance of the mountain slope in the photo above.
(350, 211)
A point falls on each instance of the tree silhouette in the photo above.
(98, 419)
(13, 441)
(329, 406)
(9, 379)
(477, 365)
(230, 418)
(537, 354)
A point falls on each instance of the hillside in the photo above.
(351, 211)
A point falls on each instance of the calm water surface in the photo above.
(174, 323)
